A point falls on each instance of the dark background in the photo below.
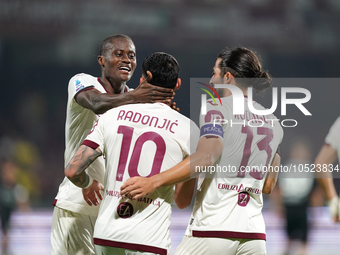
(44, 43)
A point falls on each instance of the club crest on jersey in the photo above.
(79, 85)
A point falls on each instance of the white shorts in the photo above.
(107, 250)
(220, 246)
(72, 233)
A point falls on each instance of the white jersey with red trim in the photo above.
(333, 136)
(139, 140)
(229, 199)
(79, 122)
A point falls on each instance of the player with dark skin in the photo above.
(117, 67)
(117, 58)
(118, 62)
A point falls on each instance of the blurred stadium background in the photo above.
(44, 43)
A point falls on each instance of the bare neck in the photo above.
(112, 86)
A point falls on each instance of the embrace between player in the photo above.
(136, 144)
(136, 141)
(88, 97)
(230, 221)
(225, 221)
(209, 225)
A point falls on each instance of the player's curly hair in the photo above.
(164, 68)
(244, 65)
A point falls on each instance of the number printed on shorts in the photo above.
(262, 145)
(133, 161)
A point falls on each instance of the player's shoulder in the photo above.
(227, 100)
(82, 76)
(215, 108)
(334, 129)
(336, 123)
(279, 131)
(276, 125)
(187, 124)
(81, 81)
(171, 114)
(258, 106)
(178, 121)
(271, 120)
(175, 113)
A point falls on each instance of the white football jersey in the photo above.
(139, 140)
(333, 137)
(229, 201)
(79, 122)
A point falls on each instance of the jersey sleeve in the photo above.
(333, 136)
(95, 138)
(188, 140)
(194, 137)
(212, 123)
(78, 83)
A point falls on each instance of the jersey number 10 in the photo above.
(133, 162)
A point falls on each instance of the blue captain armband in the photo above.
(212, 130)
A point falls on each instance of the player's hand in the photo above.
(137, 187)
(334, 206)
(148, 93)
(173, 106)
(92, 193)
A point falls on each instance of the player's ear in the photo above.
(227, 78)
(178, 84)
(147, 78)
(101, 60)
(149, 74)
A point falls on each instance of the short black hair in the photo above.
(164, 68)
(106, 44)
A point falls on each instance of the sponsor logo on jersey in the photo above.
(243, 199)
(125, 210)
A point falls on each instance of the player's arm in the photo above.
(184, 192)
(208, 151)
(271, 179)
(326, 157)
(74, 171)
(99, 102)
